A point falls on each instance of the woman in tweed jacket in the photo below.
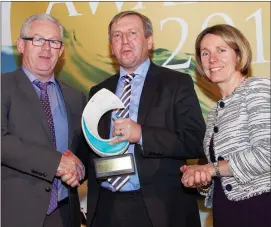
(237, 178)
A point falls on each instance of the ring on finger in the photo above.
(203, 184)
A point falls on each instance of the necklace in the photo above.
(240, 81)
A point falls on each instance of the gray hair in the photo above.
(41, 17)
(147, 24)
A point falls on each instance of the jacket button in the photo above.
(221, 104)
(48, 189)
(215, 129)
(220, 158)
(228, 187)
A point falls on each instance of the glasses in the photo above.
(56, 44)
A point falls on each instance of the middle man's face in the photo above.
(129, 44)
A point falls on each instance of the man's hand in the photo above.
(70, 169)
(127, 129)
(197, 175)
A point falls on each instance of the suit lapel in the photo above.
(112, 86)
(67, 96)
(106, 119)
(32, 101)
(148, 91)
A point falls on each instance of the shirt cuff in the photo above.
(140, 141)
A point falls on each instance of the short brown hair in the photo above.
(147, 24)
(234, 39)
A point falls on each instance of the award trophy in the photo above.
(113, 162)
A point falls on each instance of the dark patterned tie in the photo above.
(118, 182)
(45, 102)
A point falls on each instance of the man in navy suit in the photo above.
(165, 127)
(40, 125)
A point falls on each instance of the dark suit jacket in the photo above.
(172, 131)
(29, 160)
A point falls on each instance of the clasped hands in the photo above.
(70, 169)
(195, 176)
(126, 130)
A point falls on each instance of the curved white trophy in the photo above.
(103, 101)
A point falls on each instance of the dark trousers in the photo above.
(121, 209)
(59, 217)
(251, 212)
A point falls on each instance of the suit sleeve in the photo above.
(254, 161)
(83, 150)
(24, 156)
(184, 140)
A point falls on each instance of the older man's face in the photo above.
(129, 44)
(40, 60)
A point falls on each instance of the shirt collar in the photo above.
(140, 71)
(32, 77)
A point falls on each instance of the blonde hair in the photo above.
(234, 39)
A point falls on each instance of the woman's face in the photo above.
(218, 59)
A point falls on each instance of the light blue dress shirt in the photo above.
(60, 120)
(136, 90)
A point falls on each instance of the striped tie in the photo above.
(118, 182)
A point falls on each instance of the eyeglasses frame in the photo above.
(48, 40)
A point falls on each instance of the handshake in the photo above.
(70, 169)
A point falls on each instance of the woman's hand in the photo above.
(197, 175)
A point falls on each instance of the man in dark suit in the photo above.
(40, 131)
(165, 127)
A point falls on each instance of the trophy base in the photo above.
(113, 166)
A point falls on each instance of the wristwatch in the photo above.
(216, 167)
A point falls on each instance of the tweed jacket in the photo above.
(242, 136)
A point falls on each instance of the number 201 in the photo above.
(184, 33)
